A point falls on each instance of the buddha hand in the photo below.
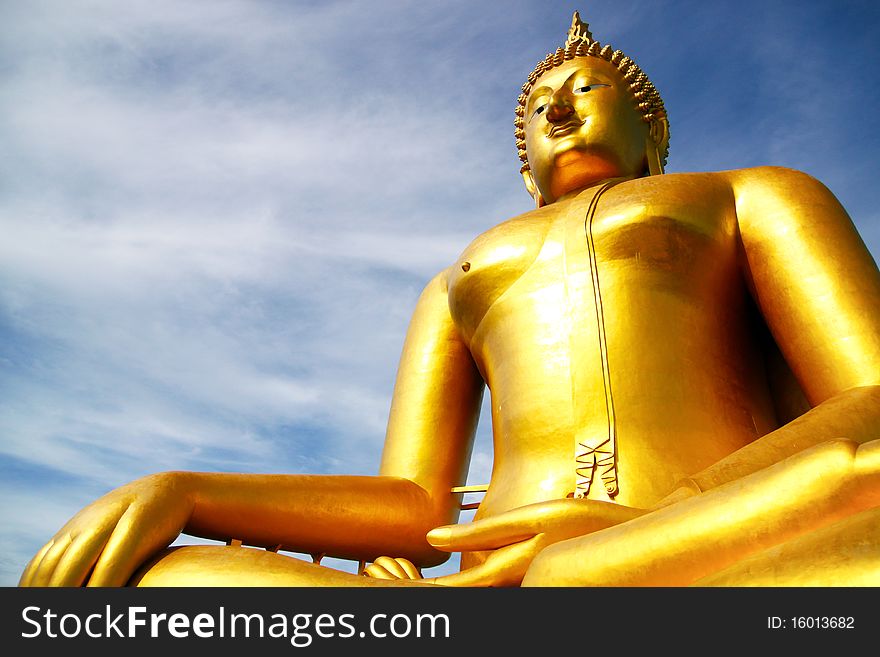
(107, 541)
(392, 568)
(514, 537)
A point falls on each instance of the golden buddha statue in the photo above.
(685, 384)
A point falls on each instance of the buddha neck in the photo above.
(591, 186)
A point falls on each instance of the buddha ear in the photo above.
(656, 143)
(532, 189)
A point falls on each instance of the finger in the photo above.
(392, 567)
(44, 571)
(487, 534)
(378, 572)
(29, 570)
(410, 568)
(119, 559)
(559, 518)
(141, 531)
(79, 559)
(504, 529)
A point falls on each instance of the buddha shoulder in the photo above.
(770, 199)
(774, 180)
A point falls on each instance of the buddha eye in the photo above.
(589, 87)
(539, 110)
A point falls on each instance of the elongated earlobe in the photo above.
(655, 142)
(532, 189)
(652, 153)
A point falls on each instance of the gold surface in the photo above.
(713, 337)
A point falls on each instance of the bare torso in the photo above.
(687, 382)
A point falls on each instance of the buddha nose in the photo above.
(560, 106)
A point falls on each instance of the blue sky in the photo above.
(217, 216)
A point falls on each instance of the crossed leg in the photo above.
(210, 565)
(846, 553)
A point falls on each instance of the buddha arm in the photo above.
(818, 289)
(354, 517)
(427, 448)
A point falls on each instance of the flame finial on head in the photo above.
(579, 31)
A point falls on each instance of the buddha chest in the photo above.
(673, 235)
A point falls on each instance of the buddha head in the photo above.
(587, 113)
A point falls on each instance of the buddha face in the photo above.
(582, 127)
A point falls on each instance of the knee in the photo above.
(867, 469)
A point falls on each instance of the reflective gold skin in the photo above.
(740, 335)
